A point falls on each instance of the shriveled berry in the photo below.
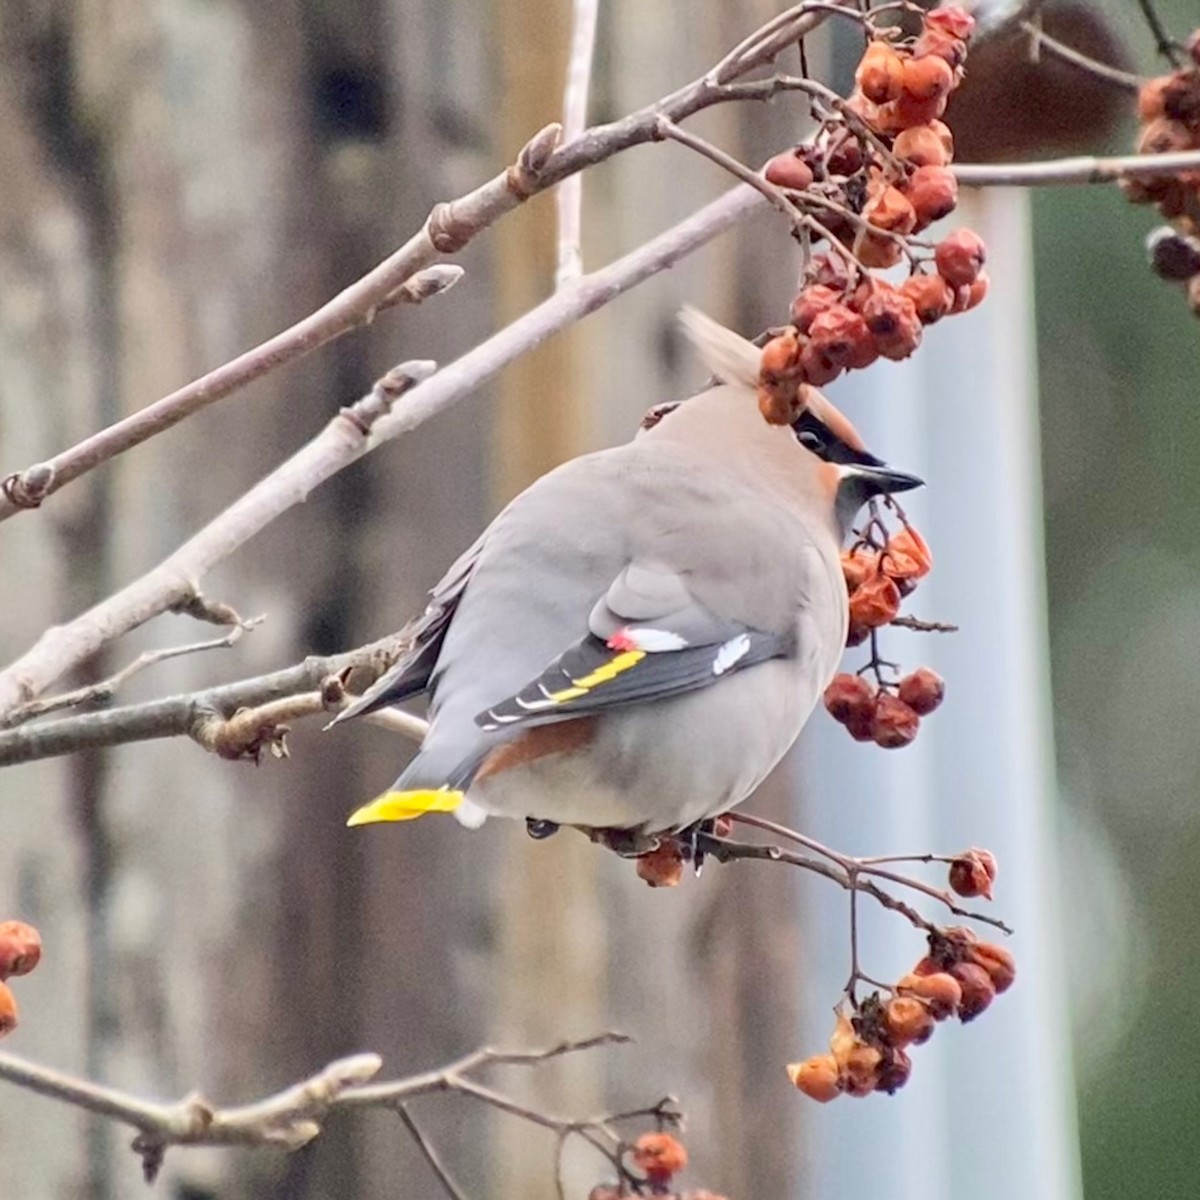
(943, 132)
(659, 1155)
(880, 73)
(860, 1070)
(907, 555)
(836, 332)
(1164, 136)
(875, 602)
(1181, 97)
(858, 566)
(929, 78)
(938, 44)
(845, 156)
(779, 404)
(973, 294)
(908, 1021)
(722, 825)
(998, 962)
(787, 171)
(817, 367)
(779, 357)
(877, 250)
(969, 877)
(848, 697)
(922, 146)
(931, 296)
(810, 302)
(952, 19)
(20, 948)
(978, 991)
(1152, 98)
(909, 110)
(940, 990)
(892, 318)
(891, 211)
(959, 257)
(662, 866)
(923, 691)
(8, 1010)
(817, 1077)
(831, 271)
(855, 636)
(1173, 255)
(893, 724)
(933, 194)
(893, 1071)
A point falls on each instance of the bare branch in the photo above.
(372, 421)
(430, 1154)
(1082, 169)
(542, 163)
(1064, 53)
(292, 1117)
(575, 104)
(104, 690)
(1162, 40)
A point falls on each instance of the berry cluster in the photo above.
(880, 570)
(20, 952)
(1169, 110)
(868, 1052)
(877, 173)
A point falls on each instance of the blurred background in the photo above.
(183, 178)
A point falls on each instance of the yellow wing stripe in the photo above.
(406, 806)
(602, 674)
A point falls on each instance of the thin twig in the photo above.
(575, 104)
(104, 690)
(1082, 169)
(1163, 42)
(431, 1155)
(920, 626)
(1064, 53)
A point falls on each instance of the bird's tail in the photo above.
(726, 354)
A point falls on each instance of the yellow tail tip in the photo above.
(406, 806)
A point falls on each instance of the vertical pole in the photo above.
(989, 1106)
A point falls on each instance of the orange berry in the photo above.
(876, 250)
(849, 697)
(8, 1010)
(880, 73)
(978, 991)
(891, 211)
(952, 19)
(860, 1070)
(931, 296)
(894, 1070)
(923, 691)
(907, 555)
(663, 866)
(817, 367)
(836, 333)
(892, 318)
(1164, 136)
(929, 78)
(933, 193)
(20, 948)
(972, 295)
(959, 257)
(908, 1021)
(858, 565)
(969, 877)
(786, 170)
(810, 302)
(875, 602)
(831, 271)
(937, 43)
(817, 1077)
(922, 145)
(659, 1155)
(1152, 98)
(909, 111)
(779, 356)
(940, 990)
(998, 962)
(779, 404)
(943, 131)
(893, 723)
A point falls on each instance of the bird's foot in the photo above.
(689, 842)
(628, 843)
(539, 830)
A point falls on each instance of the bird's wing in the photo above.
(648, 638)
(410, 674)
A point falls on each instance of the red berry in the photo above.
(849, 697)
(876, 602)
(810, 302)
(661, 867)
(969, 877)
(894, 723)
(836, 333)
(787, 171)
(951, 19)
(933, 193)
(922, 145)
(8, 1010)
(659, 1155)
(927, 79)
(931, 296)
(892, 318)
(20, 948)
(923, 691)
(959, 257)
(880, 73)
(978, 991)
(817, 1077)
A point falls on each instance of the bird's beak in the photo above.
(884, 479)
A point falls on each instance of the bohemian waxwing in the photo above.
(638, 638)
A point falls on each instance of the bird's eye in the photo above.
(811, 441)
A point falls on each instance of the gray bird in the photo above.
(639, 637)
